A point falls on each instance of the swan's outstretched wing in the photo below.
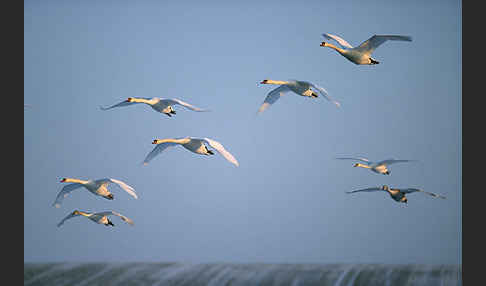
(157, 150)
(124, 218)
(218, 147)
(392, 161)
(323, 92)
(65, 192)
(374, 42)
(122, 185)
(341, 41)
(273, 96)
(411, 190)
(123, 103)
(374, 189)
(71, 215)
(174, 101)
(356, 158)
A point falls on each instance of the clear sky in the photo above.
(286, 202)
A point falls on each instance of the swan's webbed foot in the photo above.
(168, 114)
(210, 152)
(374, 62)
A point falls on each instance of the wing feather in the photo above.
(374, 189)
(65, 192)
(121, 184)
(412, 190)
(124, 218)
(173, 101)
(323, 92)
(219, 147)
(272, 97)
(69, 216)
(157, 150)
(341, 41)
(120, 104)
(375, 41)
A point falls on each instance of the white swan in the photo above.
(161, 105)
(192, 144)
(378, 167)
(101, 217)
(97, 187)
(303, 88)
(361, 55)
(396, 194)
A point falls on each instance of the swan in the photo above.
(162, 105)
(303, 88)
(361, 55)
(377, 167)
(192, 144)
(97, 187)
(397, 194)
(101, 217)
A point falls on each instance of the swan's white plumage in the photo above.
(219, 147)
(192, 144)
(95, 217)
(158, 104)
(121, 184)
(338, 39)
(97, 187)
(303, 88)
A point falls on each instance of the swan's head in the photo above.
(156, 141)
(385, 188)
(265, 81)
(356, 165)
(76, 212)
(324, 44)
(130, 99)
(63, 180)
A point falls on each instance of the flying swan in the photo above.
(101, 217)
(161, 105)
(303, 88)
(378, 167)
(97, 187)
(192, 144)
(396, 194)
(361, 55)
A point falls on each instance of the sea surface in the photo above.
(181, 274)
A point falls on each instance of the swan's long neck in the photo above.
(269, 81)
(71, 180)
(362, 165)
(339, 50)
(172, 140)
(141, 100)
(82, 213)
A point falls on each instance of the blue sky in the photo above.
(286, 201)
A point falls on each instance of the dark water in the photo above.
(181, 274)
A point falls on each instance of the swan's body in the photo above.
(97, 187)
(303, 88)
(396, 194)
(161, 105)
(196, 145)
(101, 217)
(361, 55)
(377, 167)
